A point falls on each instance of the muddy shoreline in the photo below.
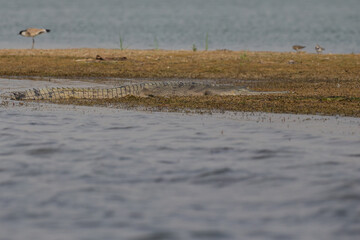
(325, 84)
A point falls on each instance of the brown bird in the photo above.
(100, 58)
(319, 49)
(33, 32)
(298, 47)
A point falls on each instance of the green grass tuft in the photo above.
(207, 42)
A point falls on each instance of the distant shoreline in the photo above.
(327, 84)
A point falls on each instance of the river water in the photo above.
(73, 172)
(257, 25)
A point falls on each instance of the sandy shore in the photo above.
(327, 84)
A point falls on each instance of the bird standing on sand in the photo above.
(319, 49)
(298, 47)
(33, 32)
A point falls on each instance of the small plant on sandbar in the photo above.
(207, 42)
(243, 56)
(194, 48)
(243, 59)
(121, 41)
(156, 44)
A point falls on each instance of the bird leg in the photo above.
(33, 43)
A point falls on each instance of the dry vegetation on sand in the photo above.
(318, 83)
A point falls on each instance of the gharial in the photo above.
(33, 32)
(148, 89)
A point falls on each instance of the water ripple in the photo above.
(86, 173)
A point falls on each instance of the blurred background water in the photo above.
(261, 25)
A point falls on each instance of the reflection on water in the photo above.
(70, 172)
(267, 25)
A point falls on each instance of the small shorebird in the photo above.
(298, 47)
(319, 49)
(33, 32)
